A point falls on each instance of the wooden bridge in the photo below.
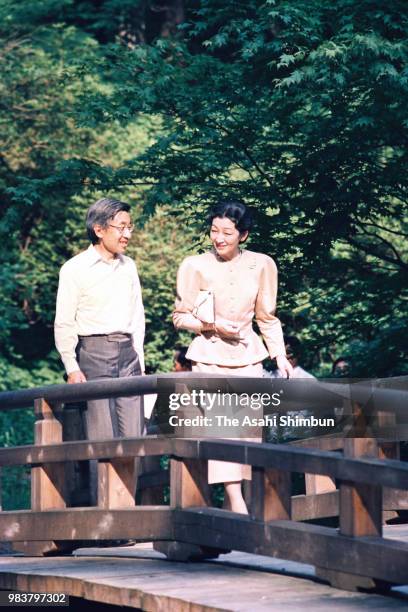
(355, 555)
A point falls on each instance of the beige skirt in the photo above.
(226, 471)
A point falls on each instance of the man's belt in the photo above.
(113, 337)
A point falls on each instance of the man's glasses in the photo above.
(121, 228)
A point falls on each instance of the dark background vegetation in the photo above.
(297, 107)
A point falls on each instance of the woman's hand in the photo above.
(284, 366)
(227, 329)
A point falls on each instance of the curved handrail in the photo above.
(304, 391)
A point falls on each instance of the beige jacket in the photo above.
(243, 288)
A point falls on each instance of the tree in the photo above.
(44, 189)
(298, 108)
(158, 249)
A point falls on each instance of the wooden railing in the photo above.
(353, 555)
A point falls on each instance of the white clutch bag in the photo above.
(204, 307)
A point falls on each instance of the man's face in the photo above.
(114, 238)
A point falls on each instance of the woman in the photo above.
(243, 284)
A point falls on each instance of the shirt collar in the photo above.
(94, 256)
(221, 260)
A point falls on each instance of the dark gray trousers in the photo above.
(102, 357)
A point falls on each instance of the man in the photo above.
(99, 322)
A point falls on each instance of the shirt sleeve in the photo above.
(139, 324)
(265, 306)
(188, 288)
(65, 329)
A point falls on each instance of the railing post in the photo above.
(48, 487)
(271, 494)
(389, 449)
(360, 508)
(189, 483)
(188, 488)
(47, 480)
(360, 503)
(116, 483)
(317, 484)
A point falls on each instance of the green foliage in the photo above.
(298, 108)
(158, 249)
(43, 197)
(17, 428)
(45, 169)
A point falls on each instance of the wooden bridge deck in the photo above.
(142, 578)
(370, 480)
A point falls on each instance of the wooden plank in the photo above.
(395, 499)
(47, 480)
(48, 489)
(188, 487)
(360, 509)
(315, 484)
(345, 580)
(360, 504)
(308, 507)
(373, 557)
(143, 522)
(331, 442)
(271, 494)
(387, 449)
(95, 389)
(83, 449)
(389, 473)
(116, 483)
(189, 483)
(318, 484)
(152, 584)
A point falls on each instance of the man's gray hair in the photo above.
(100, 213)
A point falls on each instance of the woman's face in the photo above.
(225, 237)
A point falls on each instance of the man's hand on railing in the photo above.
(76, 377)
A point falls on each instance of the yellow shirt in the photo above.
(97, 297)
(243, 288)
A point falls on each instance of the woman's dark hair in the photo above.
(180, 356)
(294, 345)
(346, 371)
(234, 210)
